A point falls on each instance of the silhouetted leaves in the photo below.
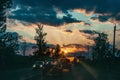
(101, 47)
(40, 41)
(8, 40)
(57, 51)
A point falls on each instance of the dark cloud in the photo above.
(45, 19)
(92, 32)
(102, 18)
(42, 14)
(87, 24)
(70, 20)
(70, 31)
(73, 45)
(37, 14)
(43, 10)
(117, 17)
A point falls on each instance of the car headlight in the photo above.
(47, 62)
(41, 66)
(34, 66)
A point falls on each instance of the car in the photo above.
(76, 61)
(66, 64)
(38, 65)
(47, 65)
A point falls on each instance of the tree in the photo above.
(24, 47)
(4, 7)
(57, 51)
(9, 44)
(40, 41)
(101, 47)
(8, 40)
(12, 41)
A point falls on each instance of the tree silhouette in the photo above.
(8, 40)
(5, 5)
(101, 47)
(24, 47)
(57, 51)
(40, 41)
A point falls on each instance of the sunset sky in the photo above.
(66, 21)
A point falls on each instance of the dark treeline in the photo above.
(43, 51)
(103, 55)
(103, 50)
(9, 41)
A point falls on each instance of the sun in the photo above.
(65, 51)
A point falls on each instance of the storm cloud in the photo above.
(70, 31)
(74, 45)
(44, 10)
(92, 32)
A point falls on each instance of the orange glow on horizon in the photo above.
(70, 58)
(67, 50)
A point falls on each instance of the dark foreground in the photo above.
(81, 71)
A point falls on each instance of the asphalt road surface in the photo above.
(78, 72)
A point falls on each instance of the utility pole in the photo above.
(114, 35)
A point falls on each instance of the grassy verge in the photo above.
(104, 71)
(16, 62)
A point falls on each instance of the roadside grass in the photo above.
(16, 62)
(103, 71)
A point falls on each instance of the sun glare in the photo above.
(65, 51)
